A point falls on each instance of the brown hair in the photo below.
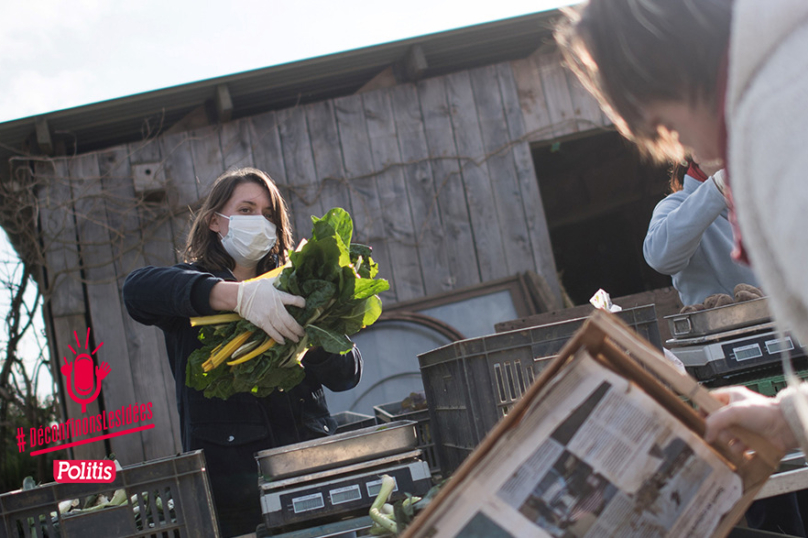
(678, 171)
(203, 245)
(631, 53)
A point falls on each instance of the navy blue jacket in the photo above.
(231, 431)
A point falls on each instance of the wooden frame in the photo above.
(613, 344)
(422, 319)
(665, 300)
(518, 286)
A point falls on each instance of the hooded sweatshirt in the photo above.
(690, 238)
(767, 127)
(767, 132)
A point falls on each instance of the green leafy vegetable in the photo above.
(338, 281)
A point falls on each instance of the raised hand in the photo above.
(102, 370)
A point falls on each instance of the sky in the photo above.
(57, 54)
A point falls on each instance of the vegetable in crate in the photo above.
(389, 520)
(336, 278)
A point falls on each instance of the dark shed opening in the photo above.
(598, 195)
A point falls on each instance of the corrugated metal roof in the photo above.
(121, 120)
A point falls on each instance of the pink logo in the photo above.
(83, 471)
(82, 386)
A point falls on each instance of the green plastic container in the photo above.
(769, 386)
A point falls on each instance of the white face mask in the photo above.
(249, 238)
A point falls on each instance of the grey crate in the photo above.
(348, 421)
(472, 383)
(391, 412)
(181, 478)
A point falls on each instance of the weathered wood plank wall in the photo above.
(299, 162)
(103, 299)
(428, 231)
(438, 176)
(67, 309)
(141, 238)
(554, 104)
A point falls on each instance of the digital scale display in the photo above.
(345, 495)
(757, 350)
(744, 353)
(778, 346)
(308, 503)
(754, 351)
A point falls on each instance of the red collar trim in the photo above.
(696, 173)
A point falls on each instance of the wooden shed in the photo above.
(465, 157)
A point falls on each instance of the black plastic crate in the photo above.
(348, 421)
(181, 479)
(472, 383)
(391, 412)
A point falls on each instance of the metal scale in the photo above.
(326, 486)
(732, 344)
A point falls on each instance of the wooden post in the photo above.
(224, 104)
(43, 136)
(415, 64)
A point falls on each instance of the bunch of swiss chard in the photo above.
(337, 279)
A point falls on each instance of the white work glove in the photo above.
(261, 303)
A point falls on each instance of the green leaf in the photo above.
(321, 259)
(288, 281)
(332, 342)
(358, 250)
(351, 317)
(367, 268)
(355, 288)
(318, 292)
(221, 386)
(339, 220)
(364, 288)
(321, 230)
(289, 378)
(195, 377)
(372, 309)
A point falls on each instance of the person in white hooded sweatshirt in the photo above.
(727, 80)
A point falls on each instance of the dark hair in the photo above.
(203, 245)
(631, 53)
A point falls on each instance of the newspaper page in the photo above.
(594, 457)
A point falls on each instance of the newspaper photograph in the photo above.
(595, 457)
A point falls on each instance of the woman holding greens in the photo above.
(241, 231)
